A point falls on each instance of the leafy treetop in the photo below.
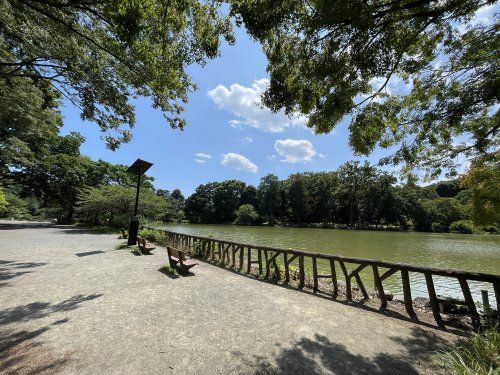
(102, 54)
(325, 55)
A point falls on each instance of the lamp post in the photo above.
(139, 167)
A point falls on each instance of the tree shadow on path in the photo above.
(320, 355)
(37, 310)
(23, 351)
(10, 269)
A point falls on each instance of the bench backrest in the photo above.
(176, 253)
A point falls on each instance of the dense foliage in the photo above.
(331, 58)
(52, 183)
(112, 205)
(102, 54)
(246, 214)
(355, 195)
(484, 180)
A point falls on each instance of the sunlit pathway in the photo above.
(70, 303)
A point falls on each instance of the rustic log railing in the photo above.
(264, 257)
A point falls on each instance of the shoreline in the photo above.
(328, 226)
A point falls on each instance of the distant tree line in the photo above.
(355, 195)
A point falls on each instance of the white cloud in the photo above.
(201, 155)
(485, 15)
(396, 85)
(247, 139)
(294, 150)
(200, 161)
(245, 103)
(238, 162)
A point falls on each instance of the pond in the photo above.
(480, 253)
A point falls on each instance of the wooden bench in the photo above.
(178, 260)
(145, 247)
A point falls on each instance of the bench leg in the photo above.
(183, 269)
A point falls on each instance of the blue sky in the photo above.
(228, 135)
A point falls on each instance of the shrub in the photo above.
(246, 214)
(462, 226)
(491, 229)
(154, 235)
(479, 355)
(437, 228)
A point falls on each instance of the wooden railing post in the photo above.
(379, 287)
(348, 291)
(315, 273)
(476, 320)
(287, 268)
(334, 278)
(242, 254)
(433, 298)
(301, 271)
(405, 279)
(268, 267)
(233, 255)
(249, 259)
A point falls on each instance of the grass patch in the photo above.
(136, 251)
(166, 268)
(122, 246)
(479, 354)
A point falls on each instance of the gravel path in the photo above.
(70, 303)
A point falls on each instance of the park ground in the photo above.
(71, 303)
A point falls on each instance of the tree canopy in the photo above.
(112, 205)
(331, 58)
(356, 195)
(484, 181)
(100, 55)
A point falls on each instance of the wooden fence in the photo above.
(239, 255)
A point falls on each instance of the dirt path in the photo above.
(70, 303)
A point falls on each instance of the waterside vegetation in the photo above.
(355, 196)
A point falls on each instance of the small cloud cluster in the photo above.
(201, 158)
(245, 103)
(294, 150)
(395, 85)
(486, 15)
(238, 162)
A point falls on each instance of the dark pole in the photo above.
(134, 223)
(137, 192)
(138, 167)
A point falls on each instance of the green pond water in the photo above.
(480, 253)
